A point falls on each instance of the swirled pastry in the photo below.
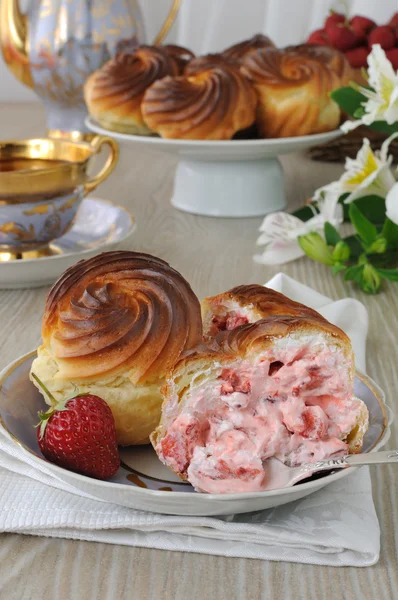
(182, 55)
(238, 51)
(113, 325)
(209, 105)
(293, 92)
(331, 57)
(114, 93)
(247, 304)
(281, 387)
(208, 61)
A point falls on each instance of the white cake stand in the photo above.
(234, 178)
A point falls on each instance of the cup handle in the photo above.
(171, 17)
(96, 143)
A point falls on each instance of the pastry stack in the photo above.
(217, 388)
(251, 86)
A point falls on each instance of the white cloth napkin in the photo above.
(336, 526)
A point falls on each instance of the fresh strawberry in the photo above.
(394, 21)
(79, 434)
(361, 26)
(318, 38)
(342, 37)
(382, 35)
(335, 18)
(357, 57)
(392, 56)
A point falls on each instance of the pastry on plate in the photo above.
(247, 304)
(280, 387)
(208, 61)
(241, 49)
(293, 92)
(182, 55)
(333, 58)
(210, 105)
(113, 325)
(114, 93)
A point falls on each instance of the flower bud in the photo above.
(371, 280)
(316, 248)
(379, 246)
(341, 252)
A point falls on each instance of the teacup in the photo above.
(42, 184)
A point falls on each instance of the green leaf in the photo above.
(366, 230)
(391, 274)
(354, 245)
(373, 208)
(383, 127)
(379, 246)
(359, 112)
(390, 233)
(348, 99)
(337, 268)
(354, 274)
(332, 236)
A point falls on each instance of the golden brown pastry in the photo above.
(209, 105)
(112, 326)
(247, 304)
(182, 55)
(240, 50)
(208, 61)
(293, 92)
(281, 387)
(331, 57)
(114, 93)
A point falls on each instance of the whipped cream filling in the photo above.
(297, 407)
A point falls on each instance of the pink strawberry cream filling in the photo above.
(298, 410)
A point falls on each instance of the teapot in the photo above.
(57, 44)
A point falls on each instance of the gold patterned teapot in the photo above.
(59, 43)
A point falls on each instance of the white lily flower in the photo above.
(280, 231)
(382, 99)
(392, 204)
(369, 173)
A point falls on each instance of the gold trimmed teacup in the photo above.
(42, 184)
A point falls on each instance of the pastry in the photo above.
(209, 105)
(182, 55)
(238, 51)
(208, 61)
(280, 387)
(293, 92)
(114, 93)
(113, 325)
(247, 304)
(333, 58)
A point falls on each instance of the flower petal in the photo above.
(278, 253)
(280, 225)
(392, 204)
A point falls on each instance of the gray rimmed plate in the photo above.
(99, 225)
(142, 482)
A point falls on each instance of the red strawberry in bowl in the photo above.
(383, 35)
(392, 56)
(318, 37)
(334, 18)
(357, 57)
(342, 37)
(79, 434)
(394, 21)
(362, 26)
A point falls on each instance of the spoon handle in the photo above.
(384, 457)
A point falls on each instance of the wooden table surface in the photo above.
(213, 254)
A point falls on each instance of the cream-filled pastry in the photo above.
(280, 387)
(113, 325)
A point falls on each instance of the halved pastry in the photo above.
(281, 387)
(247, 304)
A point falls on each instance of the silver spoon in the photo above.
(281, 476)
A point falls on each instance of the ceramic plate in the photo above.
(99, 225)
(142, 481)
(221, 149)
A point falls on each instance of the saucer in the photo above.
(100, 225)
(142, 481)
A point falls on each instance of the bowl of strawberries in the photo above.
(355, 37)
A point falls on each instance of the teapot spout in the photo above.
(13, 38)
